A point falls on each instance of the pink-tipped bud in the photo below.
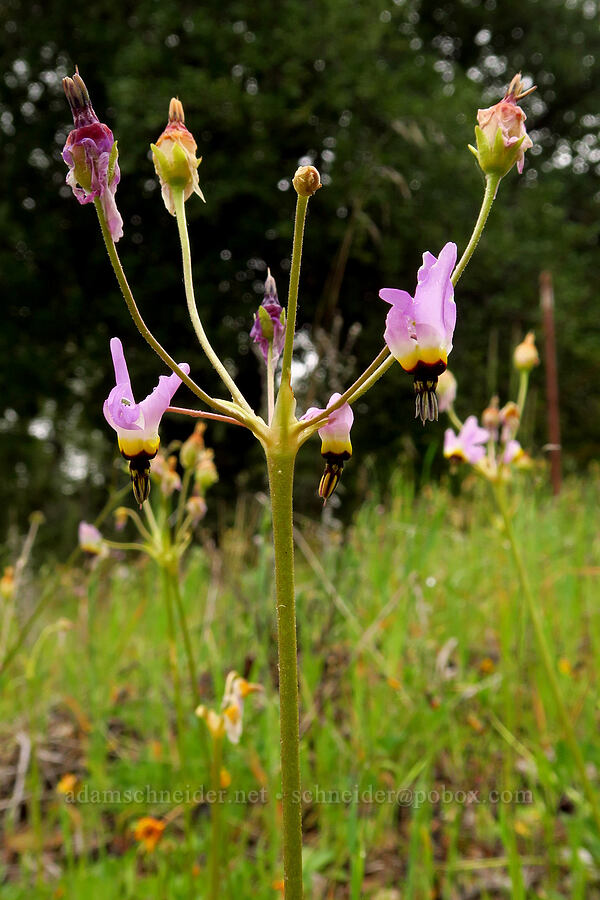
(500, 133)
(174, 156)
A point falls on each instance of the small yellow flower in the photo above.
(7, 583)
(487, 666)
(224, 778)
(148, 831)
(214, 722)
(565, 667)
(67, 784)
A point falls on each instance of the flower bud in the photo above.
(510, 419)
(205, 474)
(121, 515)
(446, 391)
(192, 448)
(500, 133)
(174, 156)
(269, 324)
(526, 356)
(196, 508)
(490, 417)
(91, 154)
(306, 181)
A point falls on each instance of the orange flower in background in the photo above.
(148, 831)
(67, 784)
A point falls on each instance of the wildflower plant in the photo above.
(494, 453)
(417, 332)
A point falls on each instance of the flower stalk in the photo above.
(491, 188)
(280, 462)
(178, 198)
(292, 307)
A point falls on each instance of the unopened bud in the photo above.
(174, 156)
(510, 417)
(526, 355)
(306, 181)
(446, 390)
(193, 447)
(490, 417)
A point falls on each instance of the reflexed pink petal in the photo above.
(155, 404)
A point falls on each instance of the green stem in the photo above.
(454, 418)
(270, 384)
(187, 643)
(290, 328)
(118, 545)
(185, 486)
(546, 656)
(172, 652)
(382, 362)
(193, 309)
(522, 396)
(141, 325)
(215, 821)
(491, 186)
(281, 477)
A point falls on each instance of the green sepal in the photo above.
(266, 323)
(112, 162)
(497, 159)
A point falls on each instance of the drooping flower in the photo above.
(467, 446)
(510, 419)
(148, 831)
(137, 424)
(500, 133)
(174, 156)
(236, 691)
(91, 154)
(91, 540)
(336, 446)
(490, 417)
(229, 720)
(419, 329)
(512, 452)
(269, 323)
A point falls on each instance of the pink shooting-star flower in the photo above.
(419, 329)
(137, 424)
(269, 323)
(336, 446)
(467, 446)
(91, 155)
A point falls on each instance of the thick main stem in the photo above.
(281, 479)
(546, 656)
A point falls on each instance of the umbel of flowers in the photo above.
(418, 333)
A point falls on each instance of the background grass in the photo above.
(418, 674)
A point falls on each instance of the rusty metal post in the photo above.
(552, 408)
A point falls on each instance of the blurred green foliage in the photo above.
(382, 97)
